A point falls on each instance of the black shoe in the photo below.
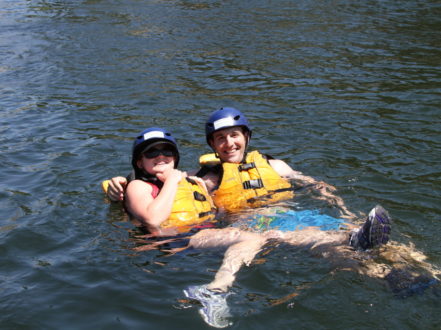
(374, 232)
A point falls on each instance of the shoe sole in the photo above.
(214, 312)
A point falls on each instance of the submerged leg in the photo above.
(406, 271)
(225, 237)
(336, 248)
(235, 257)
(373, 233)
(243, 247)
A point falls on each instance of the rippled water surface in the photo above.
(345, 91)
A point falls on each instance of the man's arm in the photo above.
(118, 184)
(325, 189)
(211, 180)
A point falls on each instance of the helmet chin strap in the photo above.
(244, 157)
(248, 134)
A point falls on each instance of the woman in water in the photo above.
(161, 197)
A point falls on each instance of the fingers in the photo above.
(171, 174)
(197, 179)
(338, 201)
(323, 186)
(161, 176)
(176, 175)
(348, 214)
(116, 188)
(182, 175)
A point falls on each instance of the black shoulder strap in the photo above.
(205, 169)
(131, 176)
(146, 178)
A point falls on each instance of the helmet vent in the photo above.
(237, 117)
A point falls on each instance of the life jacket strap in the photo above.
(204, 214)
(247, 166)
(267, 196)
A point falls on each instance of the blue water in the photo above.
(347, 92)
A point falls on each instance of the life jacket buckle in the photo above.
(191, 181)
(253, 184)
(247, 166)
(199, 197)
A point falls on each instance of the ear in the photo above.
(210, 142)
(139, 163)
(247, 135)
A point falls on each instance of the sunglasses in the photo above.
(153, 153)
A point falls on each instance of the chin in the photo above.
(234, 159)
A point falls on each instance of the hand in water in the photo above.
(326, 191)
(116, 188)
(324, 187)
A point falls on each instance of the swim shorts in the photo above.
(295, 220)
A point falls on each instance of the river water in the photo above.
(345, 91)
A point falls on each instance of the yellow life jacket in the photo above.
(192, 205)
(251, 184)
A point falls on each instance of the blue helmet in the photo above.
(149, 137)
(225, 118)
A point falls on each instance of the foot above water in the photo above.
(214, 311)
(374, 232)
